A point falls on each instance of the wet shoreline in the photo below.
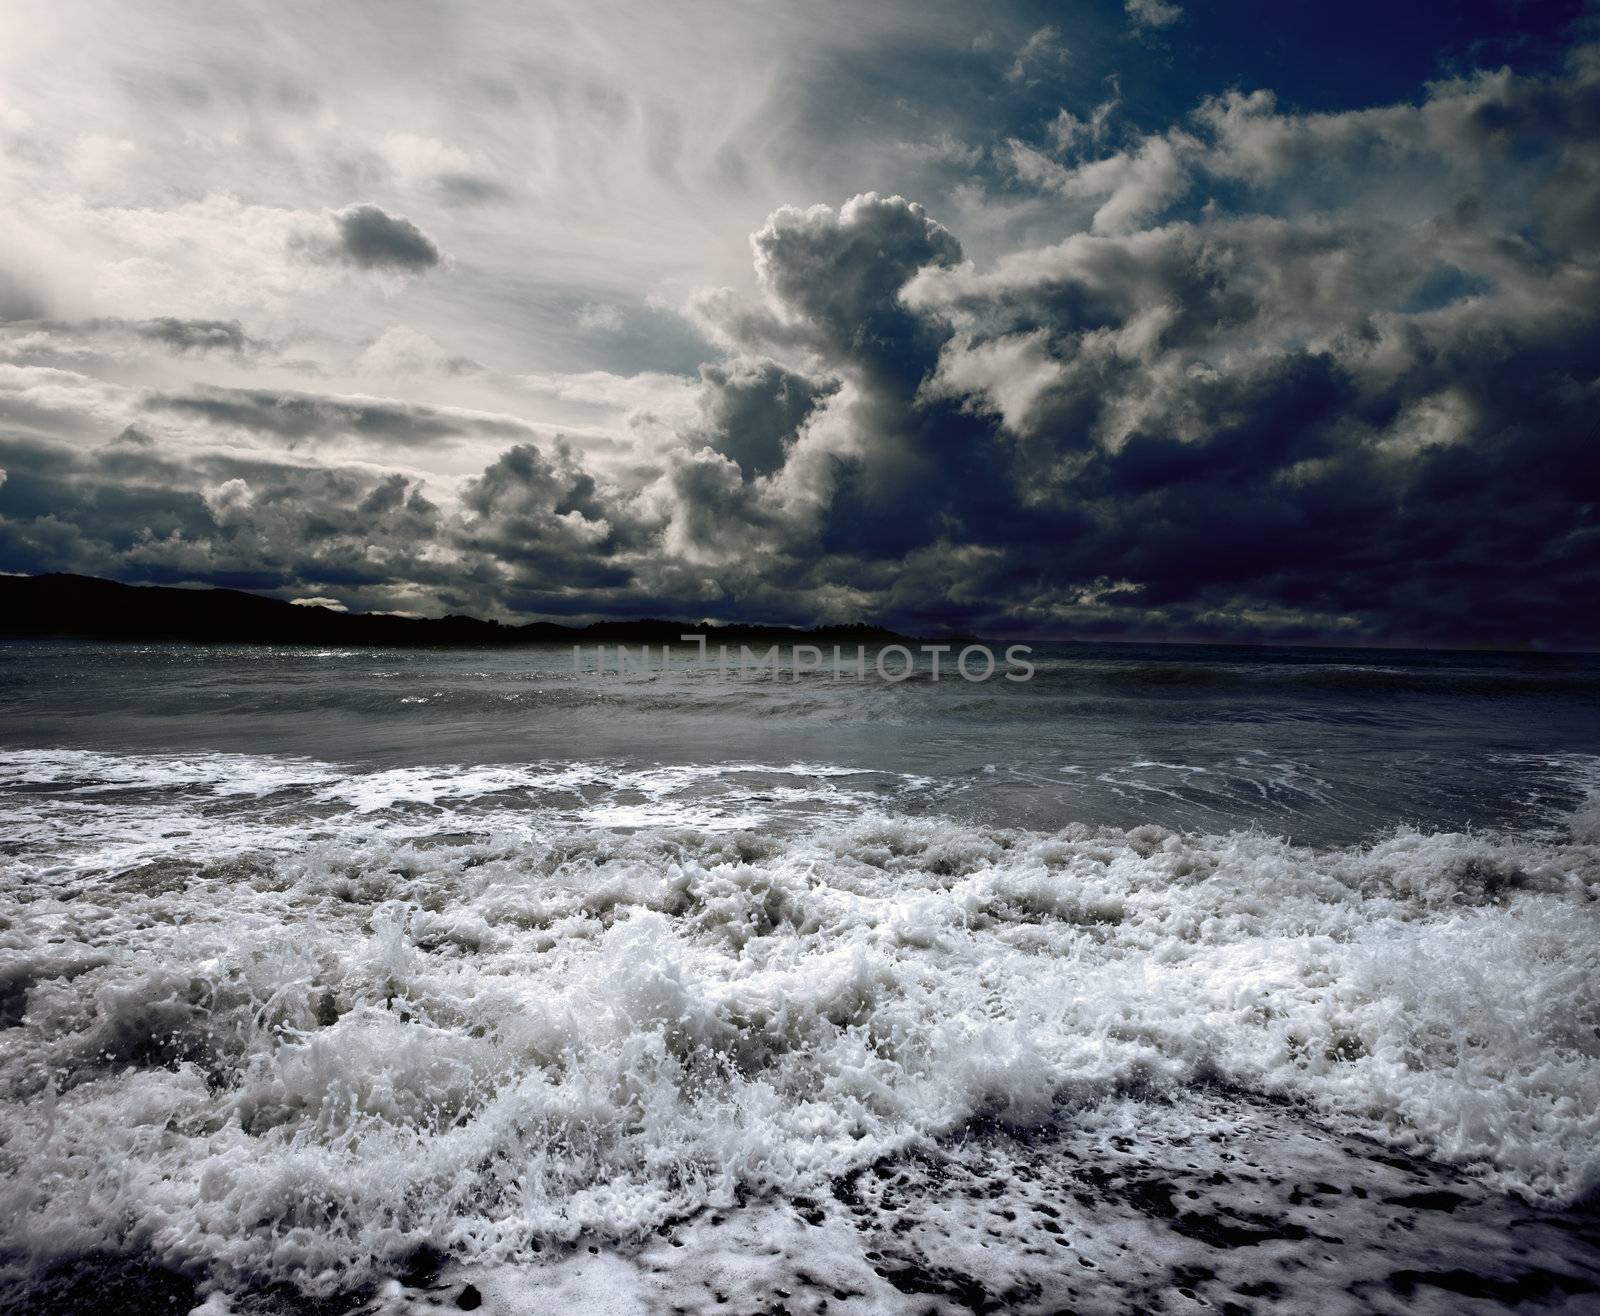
(1212, 1200)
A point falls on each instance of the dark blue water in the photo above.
(1325, 746)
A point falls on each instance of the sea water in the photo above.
(1169, 976)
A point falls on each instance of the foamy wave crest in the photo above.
(307, 1032)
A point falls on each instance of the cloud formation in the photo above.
(173, 333)
(296, 417)
(1265, 373)
(370, 238)
(1153, 13)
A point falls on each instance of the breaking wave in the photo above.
(279, 1021)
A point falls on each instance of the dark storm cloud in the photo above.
(136, 515)
(753, 410)
(541, 516)
(879, 465)
(831, 282)
(1378, 428)
(73, 519)
(374, 239)
(834, 278)
(370, 238)
(1307, 414)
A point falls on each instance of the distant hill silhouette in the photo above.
(86, 607)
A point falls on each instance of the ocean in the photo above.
(1172, 978)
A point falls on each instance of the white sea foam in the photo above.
(271, 1019)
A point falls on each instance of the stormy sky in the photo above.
(1246, 321)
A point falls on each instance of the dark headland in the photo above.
(88, 608)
